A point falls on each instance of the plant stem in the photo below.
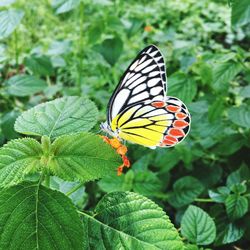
(16, 48)
(80, 45)
(203, 200)
(74, 189)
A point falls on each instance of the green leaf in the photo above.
(110, 49)
(166, 160)
(7, 124)
(245, 92)
(240, 12)
(216, 109)
(112, 182)
(79, 197)
(17, 159)
(229, 145)
(125, 220)
(59, 117)
(224, 73)
(145, 183)
(231, 233)
(9, 20)
(24, 85)
(219, 195)
(238, 176)
(83, 157)
(236, 206)
(63, 6)
(240, 115)
(185, 190)
(197, 226)
(182, 86)
(39, 65)
(34, 217)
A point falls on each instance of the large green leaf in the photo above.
(197, 226)
(181, 86)
(236, 206)
(34, 217)
(24, 85)
(39, 65)
(240, 115)
(240, 12)
(82, 156)
(110, 49)
(9, 20)
(240, 175)
(125, 220)
(59, 117)
(63, 6)
(17, 159)
(224, 73)
(185, 190)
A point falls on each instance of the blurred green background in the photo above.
(58, 48)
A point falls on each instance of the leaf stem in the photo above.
(16, 48)
(74, 189)
(203, 200)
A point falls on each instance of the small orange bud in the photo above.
(148, 28)
(122, 150)
(115, 143)
(119, 170)
(126, 161)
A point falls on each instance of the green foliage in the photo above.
(197, 226)
(9, 20)
(58, 117)
(24, 85)
(185, 190)
(72, 51)
(125, 220)
(37, 217)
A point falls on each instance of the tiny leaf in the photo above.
(197, 226)
(236, 206)
(185, 190)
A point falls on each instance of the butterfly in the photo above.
(139, 110)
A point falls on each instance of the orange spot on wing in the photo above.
(180, 124)
(176, 132)
(173, 108)
(158, 104)
(170, 138)
(180, 115)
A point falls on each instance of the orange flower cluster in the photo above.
(148, 28)
(121, 150)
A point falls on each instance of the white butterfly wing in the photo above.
(144, 81)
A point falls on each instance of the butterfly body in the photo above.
(139, 111)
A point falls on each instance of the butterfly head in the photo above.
(107, 129)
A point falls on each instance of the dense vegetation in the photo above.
(60, 61)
